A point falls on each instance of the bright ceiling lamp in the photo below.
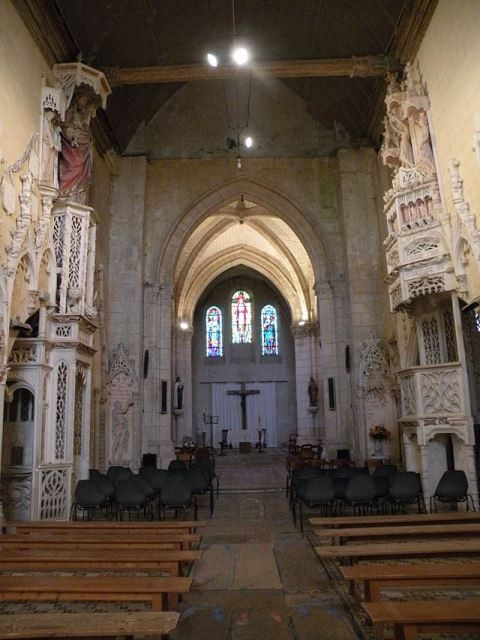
(183, 325)
(212, 59)
(240, 56)
(249, 142)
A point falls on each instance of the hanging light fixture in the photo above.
(212, 59)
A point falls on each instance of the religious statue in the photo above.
(120, 432)
(76, 159)
(403, 129)
(424, 144)
(178, 394)
(313, 392)
(51, 146)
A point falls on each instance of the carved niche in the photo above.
(123, 397)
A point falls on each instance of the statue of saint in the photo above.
(178, 394)
(120, 433)
(76, 159)
(313, 392)
(51, 146)
(403, 130)
(424, 144)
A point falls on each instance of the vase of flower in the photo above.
(379, 433)
(379, 448)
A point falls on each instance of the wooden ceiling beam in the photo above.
(355, 66)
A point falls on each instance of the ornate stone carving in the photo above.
(425, 286)
(123, 394)
(23, 355)
(53, 493)
(464, 224)
(23, 221)
(441, 392)
(409, 401)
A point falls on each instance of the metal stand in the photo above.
(224, 442)
(211, 420)
(260, 445)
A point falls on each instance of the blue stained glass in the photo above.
(269, 331)
(241, 317)
(214, 332)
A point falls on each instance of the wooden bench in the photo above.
(433, 616)
(400, 519)
(91, 540)
(179, 526)
(154, 590)
(421, 574)
(168, 560)
(79, 625)
(353, 553)
(342, 536)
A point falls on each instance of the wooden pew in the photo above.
(168, 560)
(342, 536)
(91, 540)
(79, 625)
(434, 616)
(421, 574)
(154, 590)
(140, 526)
(352, 553)
(400, 519)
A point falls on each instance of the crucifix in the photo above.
(243, 393)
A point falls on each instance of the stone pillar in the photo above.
(305, 336)
(427, 489)
(157, 426)
(471, 473)
(334, 432)
(182, 367)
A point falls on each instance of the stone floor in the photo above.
(258, 578)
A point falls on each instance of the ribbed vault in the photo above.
(244, 233)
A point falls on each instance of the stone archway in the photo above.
(283, 244)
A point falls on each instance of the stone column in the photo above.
(3, 380)
(304, 337)
(157, 426)
(182, 367)
(334, 431)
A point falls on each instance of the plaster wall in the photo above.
(206, 114)
(21, 69)
(449, 62)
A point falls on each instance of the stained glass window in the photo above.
(241, 317)
(214, 332)
(269, 331)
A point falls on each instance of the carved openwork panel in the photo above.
(408, 395)
(78, 417)
(60, 411)
(54, 494)
(425, 286)
(441, 392)
(431, 341)
(23, 355)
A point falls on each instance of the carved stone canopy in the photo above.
(70, 75)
